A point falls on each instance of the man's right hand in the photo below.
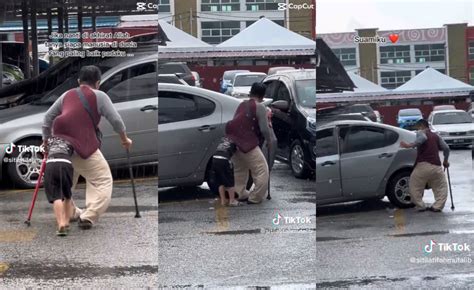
(45, 145)
(127, 143)
(445, 164)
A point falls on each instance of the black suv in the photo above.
(293, 104)
(177, 68)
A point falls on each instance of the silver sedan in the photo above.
(357, 160)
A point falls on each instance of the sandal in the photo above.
(62, 232)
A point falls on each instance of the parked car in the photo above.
(444, 107)
(171, 79)
(363, 109)
(456, 127)
(274, 70)
(227, 78)
(240, 86)
(191, 123)
(131, 87)
(179, 68)
(293, 104)
(197, 77)
(343, 146)
(407, 118)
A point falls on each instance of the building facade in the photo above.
(391, 58)
(215, 21)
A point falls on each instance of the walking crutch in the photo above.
(35, 194)
(450, 190)
(137, 213)
(269, 162)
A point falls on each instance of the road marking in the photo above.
(13, 236)
(3, 267)
(399, 218)
(222, 216)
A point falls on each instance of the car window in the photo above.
(171, 69)
(140, 87)
(325, 143)
(125, 74)
(271, 89)
(177, 107)
(362, 138)
(306, 93)
(390, 137)
(282, 93)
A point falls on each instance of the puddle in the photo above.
(358, 282)
(132, 208)
(326, 239)
(163, 220)
(50, 270)
(420, 234)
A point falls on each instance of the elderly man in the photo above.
(428, 170)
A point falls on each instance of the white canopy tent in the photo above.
(432, 80)
(363, 85)
(180, 40)
(265, 34)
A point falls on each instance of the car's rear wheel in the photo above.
(24, 170)
(398, 190)
(299, 160)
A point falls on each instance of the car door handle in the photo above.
(385, 155)
(328, 163)
(206, 128)
(149, 108)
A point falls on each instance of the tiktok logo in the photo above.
(277, 219)
(428, 249)
(9, 148)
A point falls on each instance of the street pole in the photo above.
(191, 20)
(313, 22)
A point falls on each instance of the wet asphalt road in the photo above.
(202, 244)
(121, 251)
(373, 245)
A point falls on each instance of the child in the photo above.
(58, 181)
(223, 171)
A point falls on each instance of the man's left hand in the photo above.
(404, 144)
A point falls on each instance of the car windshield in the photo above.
(228, 76)
(247, 80)
(306, 92)
(452, 118)
(410, 112)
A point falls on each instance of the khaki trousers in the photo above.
(99, 184)
(433, 175)
(255, 162)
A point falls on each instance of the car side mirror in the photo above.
(281, 105)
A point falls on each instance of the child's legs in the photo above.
(222, 194)
(59, 212)
(231, 191)
(69, 208)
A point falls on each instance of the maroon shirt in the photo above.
(429, 150)
(75, 125)
(244, 129)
